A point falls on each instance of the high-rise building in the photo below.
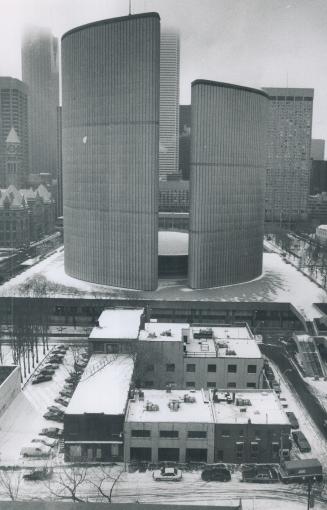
(169, 103)
(317, 149)
(59, 211)
(40, 71)
(289, 148)
(228, 156)
(110, 139)
(14, 167)
(184, 140)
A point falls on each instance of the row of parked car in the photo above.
(46, 371)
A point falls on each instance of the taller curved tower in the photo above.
(110, 145)
(228, 158)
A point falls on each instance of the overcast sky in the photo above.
(260, 43)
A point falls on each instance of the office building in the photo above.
(14, 168)
(185, 140)
(40, 71)
(169, 103)
(200, 426)
(289, 152)
(317, 207)
(227, 183)
(193, 357)
(59, 210)
(174, 196)
(318, 176)
(110, 132)
(317, 149)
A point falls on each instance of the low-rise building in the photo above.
(163, 426)
(321, 234)
(194, 357)
(116, 331)
(250, 426)
(94, 418)
(9, 385)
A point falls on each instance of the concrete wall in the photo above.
(110, 133)
(10, 388)
(227, 183)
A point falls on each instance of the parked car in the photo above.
(301, 441)
(260, 475)
(168, 474)
(46, 371)
(52, 365)
(40, 451)
(55, 409)
(51, 432)
(292, 419)
(63, 401)
(47, 442)
(56, 358)
(54, 416)
(216, 474)
(38, 474)
(66, 392)
(41, 378)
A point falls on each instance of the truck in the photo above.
(300, 471)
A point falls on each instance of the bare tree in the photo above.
(104, 481)
(10, 481)
(69, 484)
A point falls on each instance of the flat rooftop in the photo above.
(279, 283)
(198, 411)
(104, 386)
(5, 372)
(261, 407)
(225, 341)
(118, 323)
(162, 331)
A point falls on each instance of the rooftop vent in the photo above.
(189, 399)
(203, 333)
(166, 333)
(174, 405)
(243, 402)
(222, 345)
(149, 406)
(152, 335)
(230, 352)
(243, 410)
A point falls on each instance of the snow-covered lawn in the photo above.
(280, 282)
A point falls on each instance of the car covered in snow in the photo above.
(36, 450)
(47, 442)
(52, 365)
(216, 474)
(66, 392)
(41, 378)
(168, 474)
(38, 474)
(292, 419)
(54, 416)
(51, 432)
(63, 401)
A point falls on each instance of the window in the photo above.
(170, 367)
(172, 434)
(141, 433)
(112, 348)
(225, 433)
(190, 384)
(211, 384)
(212, 368)
(251, 385)
(197, 434)
(252, 369)
(190, 367)
(232, 369)
(149, 368)
(231, 385)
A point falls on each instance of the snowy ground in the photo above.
(319, 388)
(280, 282)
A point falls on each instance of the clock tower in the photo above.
(14, 160)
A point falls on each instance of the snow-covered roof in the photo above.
(197, 412)
(118, 323)
(104, 386)
(164, 331)
(264, 408)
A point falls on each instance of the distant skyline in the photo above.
(258, 43)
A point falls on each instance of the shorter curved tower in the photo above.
(227, 183)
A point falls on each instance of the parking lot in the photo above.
(23, 420)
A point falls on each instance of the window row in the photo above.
(172, 434)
